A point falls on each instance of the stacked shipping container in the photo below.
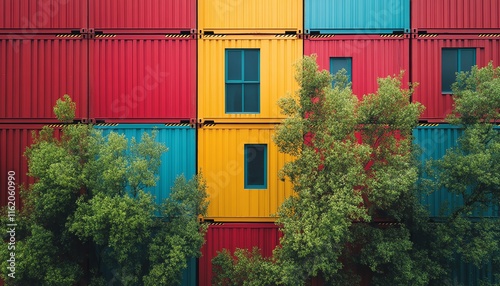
(127, 62)
(449, 37)
(246, 51)
(148, 63)
(365, 57)
(231, 236)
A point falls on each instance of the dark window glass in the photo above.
(255, 166)
(234, 65)
(242, 81)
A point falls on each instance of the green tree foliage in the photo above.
(354, 167)
(470, 170)
(88, 219)
(246, 268)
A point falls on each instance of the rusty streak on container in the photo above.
(427, 66)
(235, 235)
(458, 16)
(14, 138)
(138, 79)
(250, 17)
(145, 14)
(36, 71)
(278, 53)
(221, 160)
(28, 16)
(372, 57)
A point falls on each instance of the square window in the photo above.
(255, 166)
(338, 63)
(453, 61)
(242, 81)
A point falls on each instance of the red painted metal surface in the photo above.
(146, 14)
(372, 57)
(235, 235)
(31, 15)
(14, 138)
(142, 78)
(460, 16)
(35, 71)
(426, 68)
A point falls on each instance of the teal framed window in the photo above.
(255, 166)
(242, 81)
(453, 61)
(338, 63)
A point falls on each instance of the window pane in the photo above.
(449, 68)
(336, 64)
(255, 163)
(467, 59)
(251, 98)
(233, 65)
(233, 97)
(252, 65)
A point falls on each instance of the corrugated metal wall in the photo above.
(372, 57)
(277, 55)
(434, 140)
(235, 235)
(180, 159)
(14, 138)
(357, 16)
(468, 274)
(427, 67)
(458, 16)
(36, 71)
(31, 16)
(221, 160)
(145, 14)
(142, 78)
(250, 17)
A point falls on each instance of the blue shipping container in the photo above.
(463, 273)
(357, 16)
(180, 139)
(433, 141)
(180, 158)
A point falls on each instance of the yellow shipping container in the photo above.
(240, 163)
(250, 16)
(241, 78)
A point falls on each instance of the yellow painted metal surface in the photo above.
(221, 160)
(250, 16)
(278, 54)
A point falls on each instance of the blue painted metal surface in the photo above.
(463, 273)
(189, 275)
(434, 140)
(179, 159)
(357, 16)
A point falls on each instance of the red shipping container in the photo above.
(34, 16)
(427, 67)
(139, 79)
(36, 71)
(370, 56)
(458, 16)
(235, 235)
(145, 14)
(14, 138)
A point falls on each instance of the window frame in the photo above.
(241, 82)
(349, 72)
(246, 185)
(458, 64)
